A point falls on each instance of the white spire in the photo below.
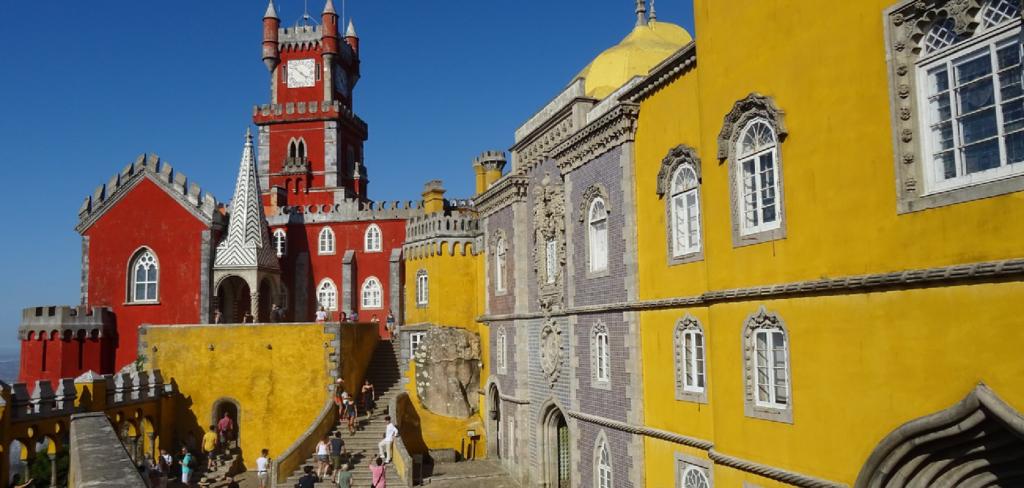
(271, 11)
(641, 9)
(247, 243)
(351, 31)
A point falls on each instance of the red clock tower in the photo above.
(310, 141)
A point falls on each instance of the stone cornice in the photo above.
(616, 127)
(510, 189)
(671, 68)
(927, 277)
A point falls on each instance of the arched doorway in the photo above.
(233, 299)
(556, 454)
(232, 408)
(494, 437)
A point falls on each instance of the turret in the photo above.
(329, 50)
(492, 162)
(351, 37)
(478, 171)
(433, 197)
(271, 52)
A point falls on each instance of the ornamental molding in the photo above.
(771, 472)
(552, 348)
(616, 127)
(540, 144)
(549, 225)
(762, 319)
(511, 188)
(677, 156)
(595, 191)
(667, 71)
(743, 111)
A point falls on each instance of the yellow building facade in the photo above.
(806, 322)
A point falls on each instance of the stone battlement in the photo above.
(263, 114)
(491, 160)
(95, 321)
(440, 225)
(349, 210)
(163, 173)
(44, 401)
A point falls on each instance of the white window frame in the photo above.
(597, 215)
(373, 239)
(691, 372)
(754, 158)
(415, 339)
(422, 288)
(327, 286)
(958, 53)
(144, 257)
(500, 253)
(325, 240)
(280, 242)
(603, 464)
(680, 223)
(694, 363)
(603, 357)
(501, 347)
(693, 472)
(600, 357)
(372, 294)
(761, 376)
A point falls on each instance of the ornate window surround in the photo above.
(500, 249)
(906, 24)
(754, 106)
(133, 263)
(679, 156)
(422, 288)
(601, 443)
(329, 249)
(501, 353)
(686, 462)
(596, 332)
(760, 320)
(688, 323)
(549, 240)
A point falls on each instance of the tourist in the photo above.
(217, 318)
(248, 318)
(337, 449)
(389, 325)
(226, 432)
(162, 469)
(323, 457)
(369, 397)
(169, 469)
(343, 477)
(209, 445)
(374, 319)
(390, 432)
(342, 318)
(144, 474)
(275, 313)
(378, 472)
(309, 480)
(350, 414)
(230, 482)
(321, 315)
(187, 463)
(354, 317)
(190, 441)
(263, 468)
(339, 397)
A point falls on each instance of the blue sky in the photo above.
(88, 86)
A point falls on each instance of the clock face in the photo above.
(301, 73)
(341, 81)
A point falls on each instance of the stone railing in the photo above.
(401, 458)
(284, 465)
(97, 456)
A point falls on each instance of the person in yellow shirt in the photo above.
(209, 445)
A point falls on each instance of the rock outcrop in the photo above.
(448, 371)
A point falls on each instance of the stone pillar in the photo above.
(254, 301)
(26, 467)
(53, 470)
(152, 444)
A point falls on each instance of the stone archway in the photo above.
(233, 299)
(555, 448)
(493, 422)
(233, 408)
(977, 442)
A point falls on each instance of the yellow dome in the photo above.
(640, 51)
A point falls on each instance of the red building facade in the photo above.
(156, 250)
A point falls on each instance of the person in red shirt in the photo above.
(226, 429)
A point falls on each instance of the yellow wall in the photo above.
(861, 363)
(281, 388)
(452, 299)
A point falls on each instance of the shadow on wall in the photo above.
(412, 430)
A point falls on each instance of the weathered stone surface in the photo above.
(448, 371)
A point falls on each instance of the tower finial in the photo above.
(248, 136)
(641, 9)
(329, 8)
(654, 16)
(351, 31)
(271, 11)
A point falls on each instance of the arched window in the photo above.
(694, 477)
(372, 239)
(499, 265)
(766, 356)
(972, 102)
(373, 293)
(145, 277)
(327, 295)
(500, 354)
(302, 149)
(598, 219)
(292, 152)
(326, 241)
(604, 466)
(602, 354)
(280, 242)
(685, 212)
(690, 360)
(422, 288)
(758, 176)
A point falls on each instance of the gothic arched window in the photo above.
(373, 293)
(280, 242)
(598, 220)
(327, 295)
(145, 276)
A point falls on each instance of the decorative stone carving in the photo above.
(616, 127)
(593, 192)
(752, 107)
(549, 241)
(552, 345)
(448, 371)
(687, 323)
(677, 156)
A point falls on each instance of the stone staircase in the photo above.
(386, 379)
(223, 464)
